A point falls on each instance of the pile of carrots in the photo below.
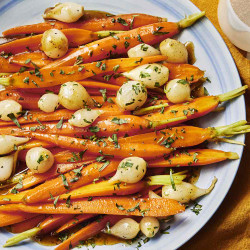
(76, 189)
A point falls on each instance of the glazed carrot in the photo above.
(70, 180)
(112, 146)
(184, 71)
(27, 224)
(34, 116)
(89, 231)
(76, 37)
(150, 34)
(193, 157)
(195, 108)
(34, 143)
(35, 179)
(51, 223)
(12, 198)
(115, 79)
(121, 124)
(5, 66)
(27, 100)
(29, 60)
(8, 218)
(50, 77)
(104, 205)
(131, 21)
(75, 221)
(104, 188)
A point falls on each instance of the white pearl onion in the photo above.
(7, 107)
(149, 226)
(39, 160)
(66, 12)
(84, 117)
(151, 75)
(131, 95)
(142, 50)
(130, 170)
(126, 228)
(73, 96)
(178, 91)
(174, 50)
(54, 43)
(48, 102)
(6, 167)
(8, 142)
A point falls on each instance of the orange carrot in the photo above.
(131, 21)
(8, 218)
(197, 107)
(115, 79)
(184, 71)
(27, 224)
(73, 222)
(5, 66)
(76, 37)
(112, 146)
(27, 100)
(105, 188)
(89, 231)
(70, 180)
(121, 43)
(53, 222)
(193, 157)
(48, 77)
(104, 205)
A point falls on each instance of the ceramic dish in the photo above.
(212, 55)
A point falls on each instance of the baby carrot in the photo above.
(27, 224)
(121, 43)
(76, 37)
(89, 231)
(49, 224)
(5, 66)
(119, 22)
(8, 218)
(74, 221)
(27, 100)
(193, 157)
(29, 60)
(71, 180)
(104, 205)
(105, 188)
(48, 77)
(195, 108)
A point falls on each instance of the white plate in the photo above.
(212, 56)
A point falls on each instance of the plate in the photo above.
(212, 55)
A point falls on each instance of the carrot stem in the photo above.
(190, 20)
(146, 110)
(22, 236)
(233, 94)
(236, 128)
(165, 179)
(165, 122)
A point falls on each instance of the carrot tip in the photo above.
(232, 155)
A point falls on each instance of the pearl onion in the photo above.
(48, 102)
(54, 43)
(73, 96)
(142, 50)
(174, 50)
(39, 160)
(130, 170)
(149, 226)
(7, 107)
(177, 91)
(126, 228)
(131, 95)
